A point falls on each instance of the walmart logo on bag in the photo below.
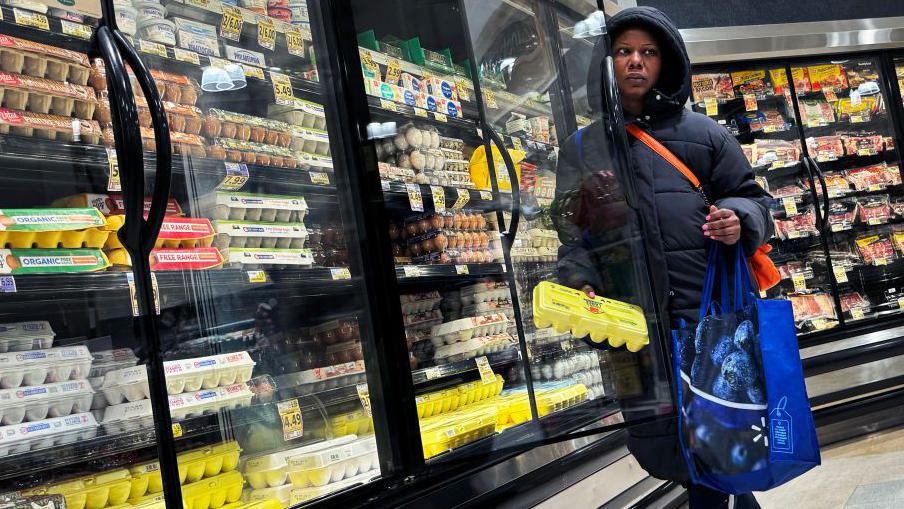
(780, 430)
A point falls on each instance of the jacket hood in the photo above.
(673, 88)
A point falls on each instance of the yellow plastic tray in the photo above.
(548, 401)
(603, 319)
(115, 223)
(194, 465)
(70, 239)
(271, 503)
(93, 491)
(453, 398)
(213, 492)
(455, 429)
(356, 422)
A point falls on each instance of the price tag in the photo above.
(516, 142)
(837, 227)
(881, 261)
(177, 430)
(834, 192)
(439, 198)
(800, 282)
(30, 19)
(155, 291)
(712, 106)
(338, 273)
(319, 178)
(253, 72)
(393, 71)
(133, 293)
(864, 152)
(901, 302)
(290, 415)
(489, 99)
(486, 371)
(76, 29)
(266, 32)
(295, 41)
(236, 176)
(257, 276)
(462, 89)
(875, 187)
(113, 183)
(856, 119)
(152, 48)
(790, 206)
(204, 4)
(874, 221)
(778, 164)
(440, 116)
(282, 89)
(462, 270)
(414, 197)
(386, 104)
(486, 195)
(420, 112)
(432, 372)
(750, 102)
(412, 271)
(830, 94)
(185, 55)
(7, 284)
(820, 323)
(385, 185)
(231, 25)
(462, 199)
(793, 234)
(364, 396)
(762, 294)
(857, 313)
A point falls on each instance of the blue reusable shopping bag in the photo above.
(744, 415)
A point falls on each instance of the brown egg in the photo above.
(457, 221)
(423, 226)
(437, 222)
(177, 123)
(415, 249)
(243, 132)
(189, 95)
(284, 139)
(440, 242)
(393, 231)
(234, 155)
(228, 130)
(411, 229)
(217, 152)
(427, 245)
(193, 125)
(144, 118)
(397, 250)
(263, 159)
(172, 92)
(197, 151)
(473, 221)
(481, 221)
(249, 157)
(484, 239)
(277, 161)
(448, 220)
(488, 255)
(258, 134)
(291, 162)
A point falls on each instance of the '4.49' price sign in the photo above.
(290, 416)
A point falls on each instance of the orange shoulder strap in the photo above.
(663, 152)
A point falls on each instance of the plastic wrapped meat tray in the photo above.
(42, 61)
(39, 95)
(21, 438)
(260, 235)
(49, 127)
(319, 468)
(22, 336)
(39, 367)
(194, 465)
(876, 249)
(271, 470)
(224, 206)
(106, 489)
(468, 349)
(466, 328)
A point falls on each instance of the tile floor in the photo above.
(866, 473)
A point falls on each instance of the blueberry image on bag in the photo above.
(699, 337)
(686, 351)
(741, 456)
(697, 379)
(722, 349)
(755, 395)
(738, 370)
(744, 336)
(723, 390)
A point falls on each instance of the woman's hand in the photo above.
(589, 291)
(722, 225)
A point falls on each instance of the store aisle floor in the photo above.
(858, 474)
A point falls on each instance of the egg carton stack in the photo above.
(536, 245)
(420, 313)
(578, 367)
(459, 237)
(45, 397)
(294, 476)
(471, 337)
(277, 221)
(195, 386)
(329, 356)
(420, 155)
(307, 120)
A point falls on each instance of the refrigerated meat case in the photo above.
(253, 256)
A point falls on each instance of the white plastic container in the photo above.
(127, 19)
(22, 438)
(19, 336)
(128, 416)
(42, 401)
(270, 470)
(44, 366)
(314, 161)
(192, 404)
(111, 360)
(313, 141)
(125, 385)
(321, 379)
(301, 495)
(149, 11)
(334, 464)
(189, 375)
(253, 207)
(420, 302)
(301, 113)
(194, 27)
(466, 328)
(254, 259)
(259, 235)
(158, 30)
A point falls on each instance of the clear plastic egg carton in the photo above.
(190, 375)
(21, 336)
(106, 489)
(128, 416)
(474, 347)
(38, 367)
(40, 95)
(271, 470)
(321, 379)
(225, 206)
(106, 361)
(260, 235)
(464, 329)
(23, 56)
(334, 464)
(423, 320)
(49, 127)
(39, 402)
(565, 367)
(257, 258)
(213, 492)
(420, 302)
(546, 336)
(543, 238)
(312, 141)
(194, 465)
(485, 292)
(32, 436)
(205, 401)
(301, 113)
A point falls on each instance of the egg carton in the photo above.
(21, 336)
(39, 402)
(40, 95)
(449, 431)
(252, 259)
(189, 375)
(111, 360)
(595, 391)
(464, 329)
(270, 470)
(206, 401)
(312, 141)
(542, 238)
(257, 504)
(453, 398)
(533, 254)
(38, 367)
(301, 495)
(260, 235)
(194, 465)
(319, 468)
(236, 126)
(224, 206)
(484, 292)
(213, 492)
(106, 489)
(355, 422)
(559, 369)
(423, 320)
(178, 258)
(321, 379)
(175, 232)
(23, 56)
(49, 127)
(22, 438)
(125, 417)
(301, 113)
(52, 228)
(474, 347)
(314, 162)
(449, 177)
(122, 385)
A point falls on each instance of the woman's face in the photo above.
(637, 64)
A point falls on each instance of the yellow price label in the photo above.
(257, 276)
(462, 199)
(338, 273)
(516, 143)
(393, 71)
(113, 183)
(830, 94)
(439, 198)
(420, 112)
(76, 29)
(237, 175)
(295, 41)
(790, 206)
(412, 271)
(386, 104)
(462, 270)
(864, 152)
(486, 371)
(486, 195)
(793, 234)
(874, 221)
(750, 102)
(282, 89)
(266, 32)
(152, 48)
(290, 416)
(415, 199)
(30, 19)
(319, 178)
(712, 106)
(857, 313)
(185, 55)
(253, 72)
(440, 116)
(364, 396)
(800, 282)
(462, 86)
(856, 119)
(177, 430)
(432, 372)
(231, 24)
(204, 4)
(881, 261)
(901, 302)
(489, 99)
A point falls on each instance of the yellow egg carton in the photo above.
(92, 491)
(213, 492)
(548, 401)
(603, 319)
(270, 503)
(455, 429)
(194, 465)
(175, 232)
(356, 422)
(69, 228)
(453, 398)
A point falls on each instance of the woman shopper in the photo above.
(652, 71)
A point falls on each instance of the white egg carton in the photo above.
(22, 438)
(464, 329)
(252, 259)
(322, 467)
(223, 206)
(542, 238)
(41, 401)
(270, 470)
(123, 385)
(301, 495)
(38, 367)
(420, 302)
(312, 141)
(111, 360)
(474, 347)
(301, 113)
(484, 292)
(193, 404)
(129, 416)
(189, 375)
(314, 161)
(20, 336)
(327, 377)
(259, 234)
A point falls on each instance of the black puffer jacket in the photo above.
(671, 211)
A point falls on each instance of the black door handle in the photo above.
(512, 229)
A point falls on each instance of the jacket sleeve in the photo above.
(732, 186)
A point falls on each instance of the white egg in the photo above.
(400, 142)
(546, 371)
(404, 161)
(418, 161)
(434, 139)
(415, 137)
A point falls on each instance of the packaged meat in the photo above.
(810, 307)
(828, 76)
(752, 82)
(23, 56)
(776, 152)
(252, 259)
(22, 336)
(867, 109)
(22, 438)
(854, 300)
(50, 127)
(816, 112)
(898, 239)
(473, 347)
(42, 401)
(826, 148)
(270, 470)
(789, 191)
(259, 234)
(860, 72)
(874, 210)
(802, 225)
(863, 144)
(301, 113)
(873, 178)
(841, 215)
(319, 468)
(780, 80)
(875, 249)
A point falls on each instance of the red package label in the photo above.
(117, 206)
(186, 259)
(185, 228)
(11, 117)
